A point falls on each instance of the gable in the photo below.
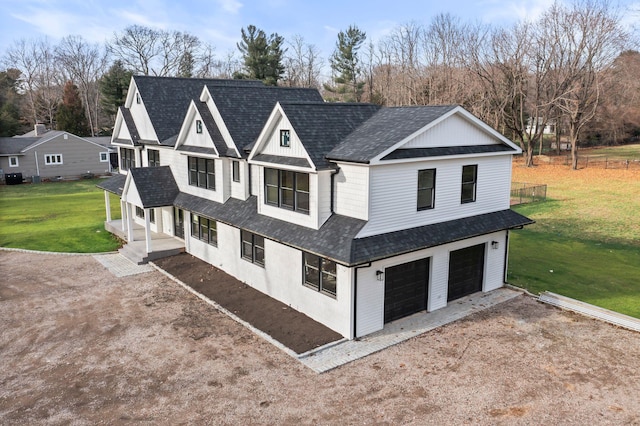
(196, 132)
(63, 142)
(454, 131)
(268, 147)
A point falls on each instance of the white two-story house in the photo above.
(353, 214)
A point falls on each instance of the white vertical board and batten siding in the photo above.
(454, 131)
(142, 121)
(193, 138)
(393, 193)
(352, 191)
(280, 278)
(272, 145)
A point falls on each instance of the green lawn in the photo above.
(60, 217)
(586, 242)
(624, 152)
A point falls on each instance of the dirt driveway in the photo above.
(80, 346)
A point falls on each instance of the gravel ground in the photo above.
(80, 346)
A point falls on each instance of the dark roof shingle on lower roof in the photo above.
(156, 185)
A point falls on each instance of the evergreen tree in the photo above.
(70, 116)
(187, 64)
(262, 56)
(345, 64)
(10, 123)
(113, 88)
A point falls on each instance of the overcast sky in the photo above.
(219, 21)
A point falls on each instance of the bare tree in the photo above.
(85, 63)
(23, 55)
(137, 47)
(302, 64)
(587, 37)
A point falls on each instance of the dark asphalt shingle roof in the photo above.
(446, 150)
(212, 128)
(114, 184)
(386, 128)
(407, 240)
(245, 110)
(131, 126)
(167, 98)
(336, 238)
(156, 185)
(321, 127)
(13, 146)
(279, 159)
(332, 241)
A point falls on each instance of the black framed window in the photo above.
(198, 126)
(469, 183)
(153, 156)
(127, 158)
(202, 172)
(204, 229)
(285, 138)
(319, 273)
(152, 214)
(235, 171)
(252, 247)
(287, 189)
(426, 189)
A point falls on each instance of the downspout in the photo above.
(333, 175)
(355, 295)
(506, 258)
(35, 153)
(249, 177)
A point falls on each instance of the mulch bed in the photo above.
(286, 325)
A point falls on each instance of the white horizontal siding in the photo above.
(324, 196)
(240, 190)
(352, 191)
(393, 193)
(179, 164)
(454, 131)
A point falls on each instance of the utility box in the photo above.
(13, 178)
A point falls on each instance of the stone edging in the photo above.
(58, 253)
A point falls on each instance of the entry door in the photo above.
(178, 222)
(466, 270)
(405, 289)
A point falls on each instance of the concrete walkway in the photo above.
(120, 266)
(327, 358)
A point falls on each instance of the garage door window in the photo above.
(320, 274)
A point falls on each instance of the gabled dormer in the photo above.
(294, 180)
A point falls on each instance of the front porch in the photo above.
(162, 245)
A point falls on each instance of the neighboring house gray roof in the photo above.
(321, 127)
(446, 150)
(386, 128)
(156, 185)
(15, 145)
(245, 110)
(167, 98)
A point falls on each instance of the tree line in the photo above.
(575, 67)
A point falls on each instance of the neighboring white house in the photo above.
(353, 214)
(52, 153)
(535, 123)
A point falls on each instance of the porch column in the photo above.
(107, 203)
(129, 223)
(147, 229)
(123, 215)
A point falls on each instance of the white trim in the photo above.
(226, 135)
(190, 118)
(14, 157)
(106, 156)
(53, 159)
